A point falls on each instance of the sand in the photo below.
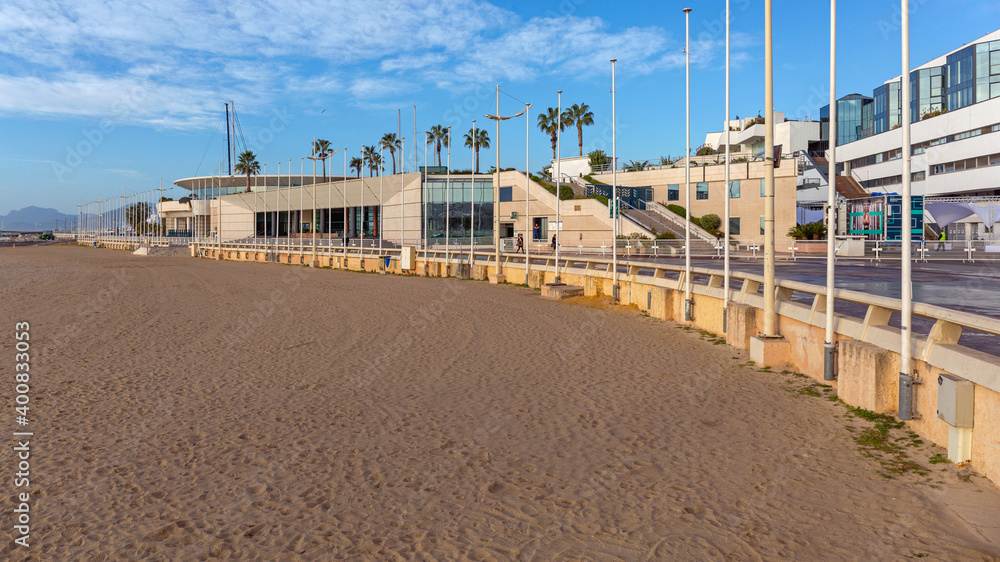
(190, 409)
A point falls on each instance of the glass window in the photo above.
(734, 226)
(762, 192)
(734, 189)
(761, 226)
(701, 190)
(506, 194)
(673, 192)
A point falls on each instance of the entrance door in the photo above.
(506, 230)
(539, 228)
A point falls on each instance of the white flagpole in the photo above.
(472, 216)
(687, 167)
(614, 187)
(447, 206)
(831, 203)
(558, 171)
(906, 329)
(728, 195)
(527, 197)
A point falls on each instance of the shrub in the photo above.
(677, 209)
(598, 158)
(591, 180)
(811, 231)
(666, 235)
(710, 221)
(705, 150)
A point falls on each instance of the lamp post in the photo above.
(831, 202)
(496, 195)
(687, 167)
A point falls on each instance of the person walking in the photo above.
(553, 243)
(520, 244)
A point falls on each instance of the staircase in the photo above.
(847, 187)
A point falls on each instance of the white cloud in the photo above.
(79, 58)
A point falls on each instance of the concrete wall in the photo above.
(749, 207)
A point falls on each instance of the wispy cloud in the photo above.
(82, 58)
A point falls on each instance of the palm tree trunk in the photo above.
(477, 158)
(579, 134)
(553, 146)
(438, 147)
(393, 154)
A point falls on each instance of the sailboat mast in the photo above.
(229, 145)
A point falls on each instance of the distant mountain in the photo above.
(36, 218)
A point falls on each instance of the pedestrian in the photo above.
(553, 242)
(538, 232)
(520, 244)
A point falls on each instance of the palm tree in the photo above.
(482, 139)
(579, 115)
(391, 143)
(439, 136)
(551, 123)
(372, 159)
(357, 164)
(247, 165)
(321, 150)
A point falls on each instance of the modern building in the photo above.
(747, 135)
(398, 209)
(954, 112)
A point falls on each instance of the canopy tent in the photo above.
(947, 213)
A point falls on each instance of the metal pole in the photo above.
(905, 367)
(496, 195)
(380, 190)
(558, 171)
(728, 194)
(423, 181)
(402, 192)
(447, 207)
(687, 167)
(313, 222)
(288, 239)
(472, 216)
(614, 187)
(361, 238)
(527, 197)
(343, 242)
(770, 312)
(831, 203)
(218, 228)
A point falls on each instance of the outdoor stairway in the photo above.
(847, 187)
(653, 222)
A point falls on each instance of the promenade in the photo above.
(189, 408)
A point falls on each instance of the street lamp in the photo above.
(498, 278)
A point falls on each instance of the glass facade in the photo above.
(734, 189)
(701, 190)
(673, 192)
(970, 75)
(454, 216)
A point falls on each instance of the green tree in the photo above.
(438, 135)
(321, 150)
(551, 123)
(475, 139)
(598, 158)
(357, 164)
(137, 217)
(372, 159)
(247, 165)
(391, 143)
(579, 115)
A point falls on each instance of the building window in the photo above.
(761, 226)
(734, 189)
(762, 193)
(919, 176)
(734, 226)
(673, 192)
(701, 190)
(506, 194)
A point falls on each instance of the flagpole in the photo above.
(906, 333)
(828, 346)
(687, 167)
(728, 194)
(614, 188)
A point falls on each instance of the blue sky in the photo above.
(100, 96)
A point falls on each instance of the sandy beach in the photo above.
(190, 409)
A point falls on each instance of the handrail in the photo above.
(677, 220)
